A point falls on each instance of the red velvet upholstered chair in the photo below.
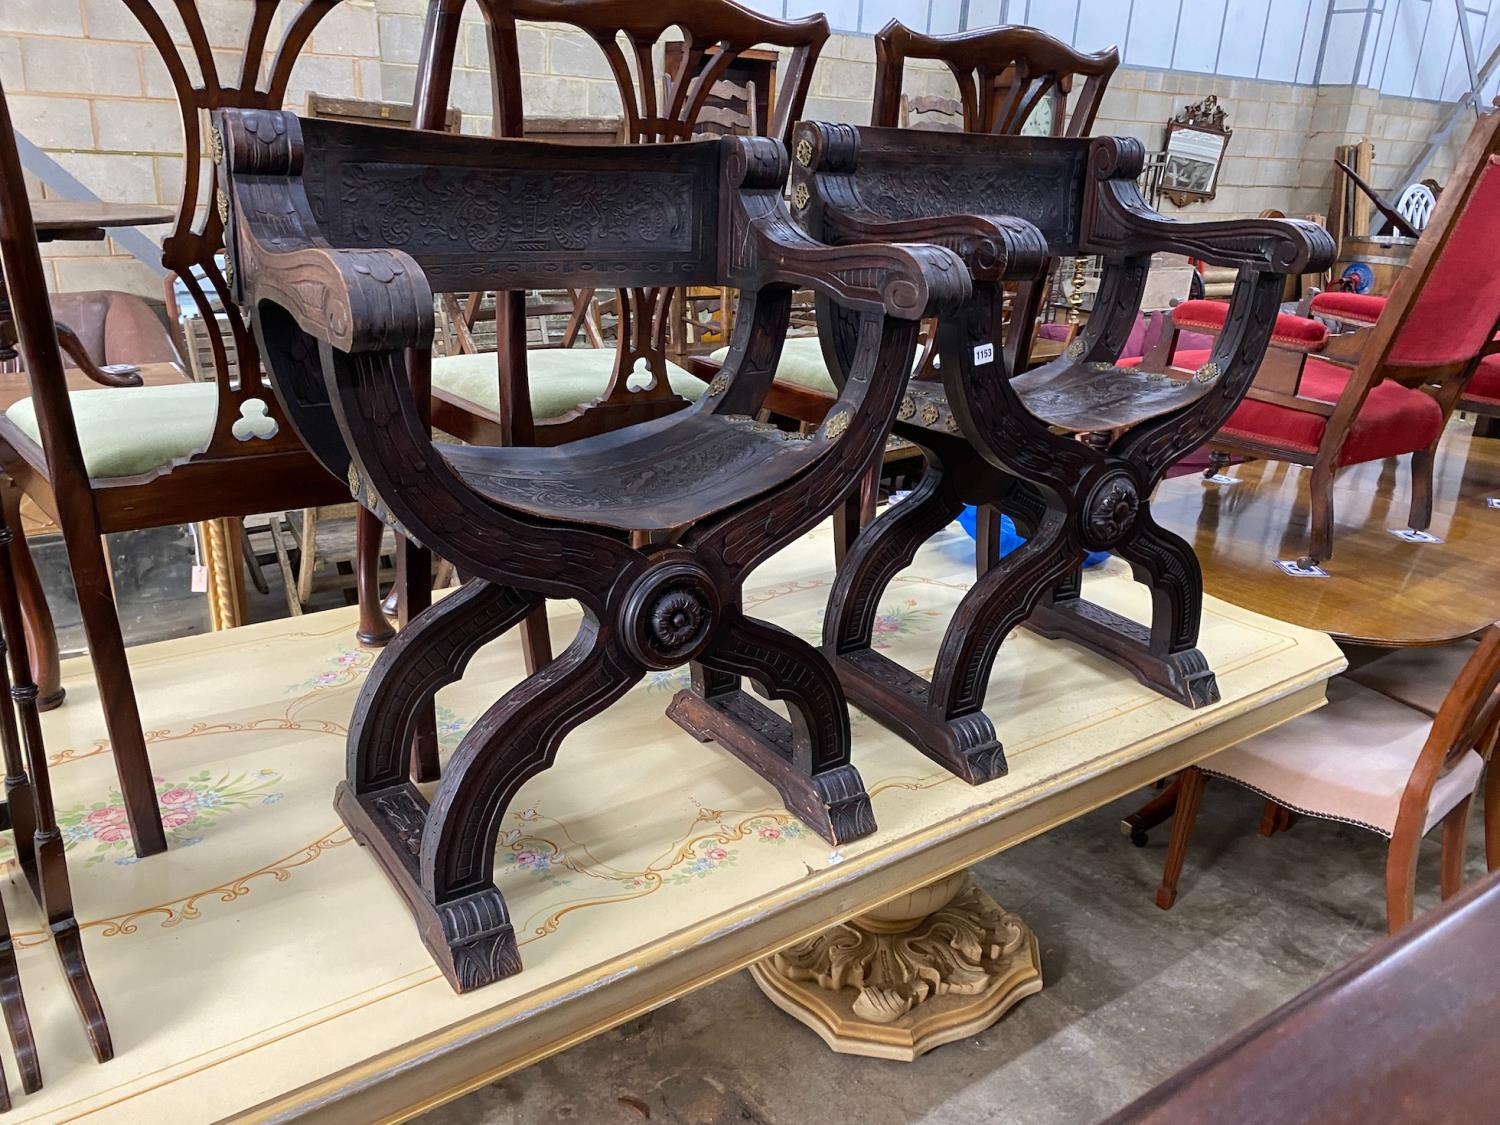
(1387, 388)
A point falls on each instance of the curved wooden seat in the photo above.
(346, 321)
(1083, 398)
(663, 474)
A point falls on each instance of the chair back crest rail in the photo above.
(246, 406)
(1003, 74)
(658, 108)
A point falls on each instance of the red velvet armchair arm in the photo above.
(1295, 332)
(1361, 309)
(1280, 375)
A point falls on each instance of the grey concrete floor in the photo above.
(1131, 993)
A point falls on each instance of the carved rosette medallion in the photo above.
(719, 385)
(222, 201)
(800, 196)
(1207, 373)
(804, 152)
(216, 145)
(908, 408)
(930, 413)
(1110, 510)
(353, 478)
(1076, 349)
(669, 614)
(936, 965)
(835, 426)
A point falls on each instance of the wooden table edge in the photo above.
(437, 1068)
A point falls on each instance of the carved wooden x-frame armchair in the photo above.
(217, 449)
(651, 529)
(1071, 450)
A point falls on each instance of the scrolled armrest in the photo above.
(357, 300)
(907, 282)
(1298, 333)
(829, 204)
(1117, 219)
(1356, 308)
(354, 300)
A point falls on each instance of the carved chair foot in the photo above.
(1182, 676)
(833, 803)
(68, 940)
(896, 697)
(471, 938)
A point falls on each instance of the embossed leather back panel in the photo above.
(910, 174)
(513, 214)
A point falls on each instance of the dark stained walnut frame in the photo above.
(652, 529)
(1071, 450)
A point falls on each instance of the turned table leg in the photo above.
(941, 963)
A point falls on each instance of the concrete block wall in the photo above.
(86, 86)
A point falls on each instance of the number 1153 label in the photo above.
(984, 353)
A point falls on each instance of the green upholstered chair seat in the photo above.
(559, 378)
(125, 431)
(801, 364)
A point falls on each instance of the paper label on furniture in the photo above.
(199, 582)
(1492, 501)
(1297, 570)
(984, 353)
(1412, 535)
(1220, 478)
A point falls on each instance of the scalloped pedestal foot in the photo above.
(940, 964)
(833, 803)
(1182, 676)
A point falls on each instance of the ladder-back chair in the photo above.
(216, 450)
(1071, 450)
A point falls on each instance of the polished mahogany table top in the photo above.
(87, 220)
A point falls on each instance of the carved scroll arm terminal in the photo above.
(907, 282)
(1118, 221)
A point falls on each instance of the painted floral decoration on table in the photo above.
(188, 809)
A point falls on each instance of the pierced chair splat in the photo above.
(345, 318)
(199, 452)
(1071, 450)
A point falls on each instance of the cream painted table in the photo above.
(264, 968)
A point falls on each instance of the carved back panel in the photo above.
(245, 421)
(1003, 74)
(917, 173)
(518, 214)
(658, 108)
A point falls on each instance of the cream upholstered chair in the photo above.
(1420, 678)
(1369, 760)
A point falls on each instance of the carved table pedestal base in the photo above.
(939, 964)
